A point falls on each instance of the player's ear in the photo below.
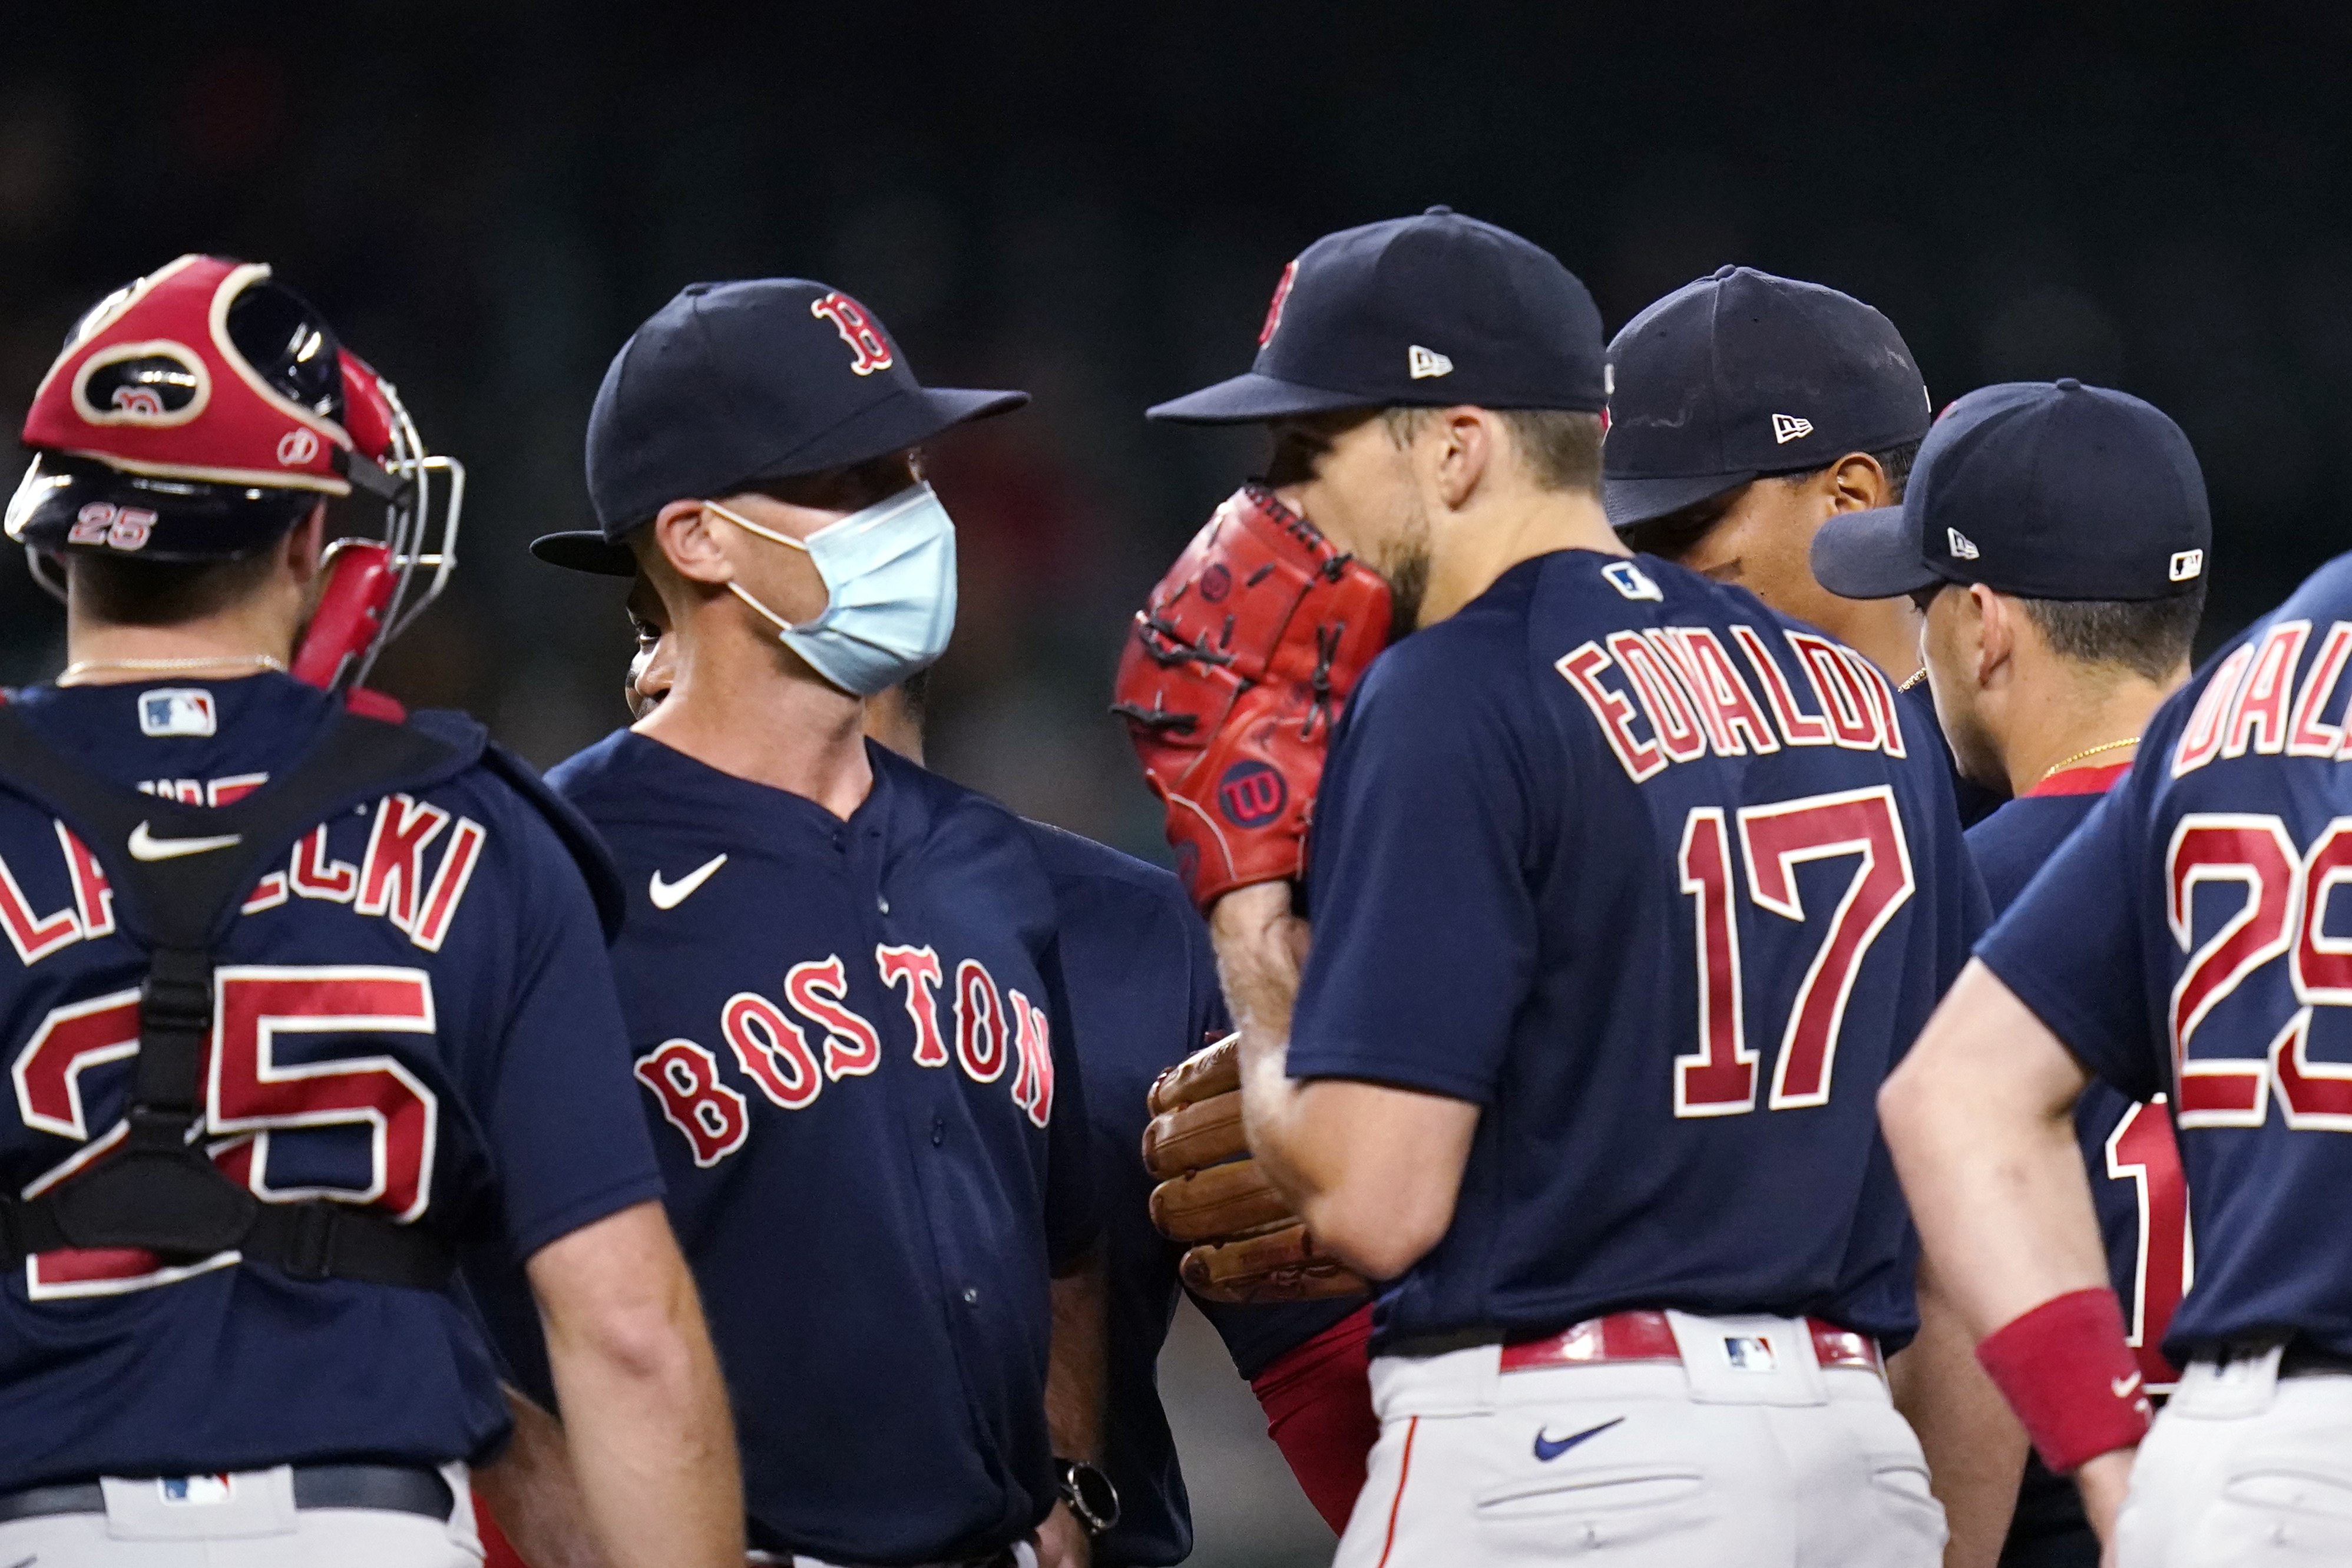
(1463, 443)
(682, 534)
(1858, 484)
(1988, 630)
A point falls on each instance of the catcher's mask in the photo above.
(198, 413)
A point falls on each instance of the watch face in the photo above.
(1090, 1495)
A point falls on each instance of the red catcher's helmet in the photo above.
(200, 411)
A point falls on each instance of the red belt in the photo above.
(1648, 1336)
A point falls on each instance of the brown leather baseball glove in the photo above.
(1244, 1245)
(1235, 671)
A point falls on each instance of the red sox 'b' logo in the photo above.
(857, 330)
(1273, 311)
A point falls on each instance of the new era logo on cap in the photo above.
(1963, 547)
(1788, 427)
(1423, 363)
(2186, 564)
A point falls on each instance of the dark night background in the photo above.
(1094, 202)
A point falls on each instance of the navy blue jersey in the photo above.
(1666, 884)
(414, 1012)
(2137, 1186)
(858, 1062)
(2192, 938)
(1142, 981)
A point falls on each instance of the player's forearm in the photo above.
(1078, 1361)
(1974, 1446)
(534, 1496)
(650, 1440)
(1980, 1121)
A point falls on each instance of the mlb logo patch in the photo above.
(1746, 1352)
(2186, 564)
(1631, 581)
(195, 1491)
(177, 710)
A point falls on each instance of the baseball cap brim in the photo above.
(1872, 554)
(1249, 397)
(891, 426)
(1632, 501)
(586, 550)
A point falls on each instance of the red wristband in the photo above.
(2064, 1369)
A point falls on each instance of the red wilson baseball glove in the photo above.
(1238, 667)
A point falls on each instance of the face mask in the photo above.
(890, 576)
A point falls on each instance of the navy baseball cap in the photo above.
(2044, 490)
(733, 383)
(1742, 375)
(1433, 310)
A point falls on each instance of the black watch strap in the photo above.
(1093, 1501)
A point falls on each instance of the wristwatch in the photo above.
(1092, 1499)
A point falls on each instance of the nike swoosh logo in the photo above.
(1550, 1449)
(669, 895)
(2124, 1386)
(145, 845)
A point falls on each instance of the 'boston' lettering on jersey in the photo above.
(1682, 682)
(775, 1055)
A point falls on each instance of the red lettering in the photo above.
(819, 991)
(392, 874)
(684, 1078)
(2200, 738)
(2308, 734)
(1798, 727)
(449, 881)
(981, 1031)
(2259, 711)
(772, 1050)
(1033, 1084)
(316, 876)
(1661, 695)
(1842, 700)
(34, 937)
(1581, 669)
(93, 895)
(918, 967)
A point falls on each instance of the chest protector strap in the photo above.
(158, 1191)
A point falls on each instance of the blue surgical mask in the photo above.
(890, 576)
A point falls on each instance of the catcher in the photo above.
(1232, 680)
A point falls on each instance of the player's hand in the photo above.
(2103, 1482)
(1261, 947)
(1063, 1542)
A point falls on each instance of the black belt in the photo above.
(2301, 1357)
(391, 1487)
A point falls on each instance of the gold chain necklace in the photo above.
(2087, 752)
(1913, 678)
(73, 673)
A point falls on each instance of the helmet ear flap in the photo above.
(367, 412)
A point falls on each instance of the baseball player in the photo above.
(305, 996)
(841, 973)
(1143, 993)
(2059, 613)
(1745, 410)
(1628, 892)
(2181, 942)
